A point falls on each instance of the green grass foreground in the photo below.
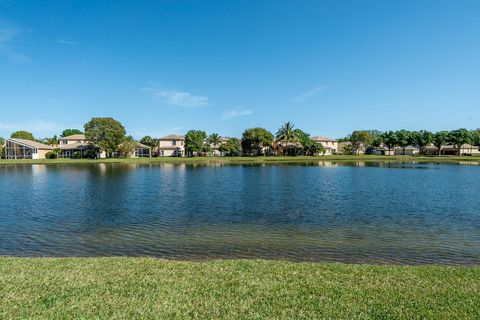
(147, 288)
(253, 160)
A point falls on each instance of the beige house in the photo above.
(73, 139)
(450, 150)
(330, 145)
(140, 151)
(74, 146)
(409, 151)
(215, 148)
(25, 149)
(171, 146)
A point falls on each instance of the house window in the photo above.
(174, 143)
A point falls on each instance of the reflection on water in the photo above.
(373, 212)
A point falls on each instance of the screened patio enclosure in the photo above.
(142, 152)
(25, 149)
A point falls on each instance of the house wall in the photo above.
(171, 143)
(65, 142)
(408, 152)
(166, 148)
(330, 146)
(171, 153)
(41, 154)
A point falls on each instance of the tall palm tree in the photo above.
(215, 140)
(287, 135)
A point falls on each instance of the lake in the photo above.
(354, 212)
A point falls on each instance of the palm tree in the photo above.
(214, 140)
(287, 135)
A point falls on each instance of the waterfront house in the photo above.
(330, 145)
(450, 150)
(409, 151)
(171, 146)
(215, 147)
(140, 151)
(75, 146)
(73, 139)
(25, 149)
(383, 151)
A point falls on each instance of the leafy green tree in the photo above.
(439, 139)
(345, 139)
(304, 140)
(126, 148)
(70, 132)
(206, 149)
(476, 138)
(50, 141)
(22, 135)
(421, 139)
(255, 140)
(105, 133)
(57, 152)
(360, 139)
(459, 137)
(377, 138)
(233, 147)
(404, 139)
(390, 140)
(149, 141)
(309, 146)
(347, 148)
(312, 148)
(194, 141)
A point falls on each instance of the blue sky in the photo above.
(165, 67)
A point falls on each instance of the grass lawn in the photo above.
(247, 159)
(143, 288)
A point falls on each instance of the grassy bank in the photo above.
(232, 289)
(246, 159)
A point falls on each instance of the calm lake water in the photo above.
(323, 211)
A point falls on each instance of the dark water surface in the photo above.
(324, 211)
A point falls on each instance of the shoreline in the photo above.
(247, 160)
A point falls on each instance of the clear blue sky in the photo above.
(165, 67)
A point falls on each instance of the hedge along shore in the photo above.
(148, 288)
(299, 159)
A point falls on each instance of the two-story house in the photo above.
(330, 145)
(171, 146)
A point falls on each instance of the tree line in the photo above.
(361, 139)
(254, 141)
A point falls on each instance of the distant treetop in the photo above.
(22, 135)
(70, 132)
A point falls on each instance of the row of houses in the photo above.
(76, 146)
(445, 150)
